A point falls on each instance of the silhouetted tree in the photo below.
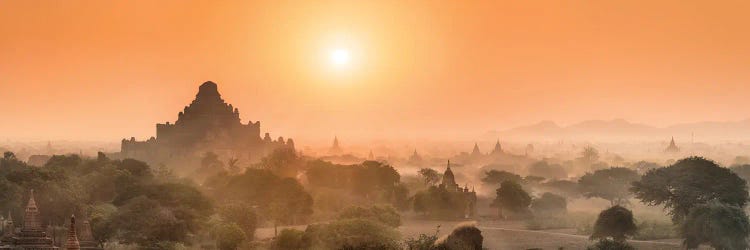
(615, 222)
(690, 182)
(549, 204)
(511, 197)
(721, 226)
(611, 184)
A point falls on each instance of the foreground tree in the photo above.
(616, 223)
(722, 226)
(511, 197)
(690, 182)
(464, 237)
(611, 184)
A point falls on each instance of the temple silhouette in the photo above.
(469, 198)
(207, 124)
(33, 236)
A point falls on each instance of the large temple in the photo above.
(207, 124)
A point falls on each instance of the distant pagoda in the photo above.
(415, 158)
(498, 150)
(335, 148)
(672, 148)
(475, 152)
(32, 236)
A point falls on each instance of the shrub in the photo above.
(383, 214)
(464, 237)
(608, 244)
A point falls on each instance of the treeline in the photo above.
(125, 200)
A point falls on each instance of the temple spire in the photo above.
(498, 148)
(476, 151)
(31, 215)
(72, 243)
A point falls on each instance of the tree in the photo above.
(430, 176)
(589, 155)
(720, 225)
(229, 236)
(549, 204)
(498, 177)
(512, 197)
(611, 184)
(615, 222)
(689, 182)
(241, 214)
(283, 162)
(290, 203)
(546, 170)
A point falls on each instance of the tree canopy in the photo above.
(615, 222)
(690, 182)
(720, 225)
(611, 184)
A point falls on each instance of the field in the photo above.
(510, 235)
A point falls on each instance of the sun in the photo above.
(340, 57)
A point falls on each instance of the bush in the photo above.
(424, 242)
(616, 222)
(607, 244)
(383, 214)
(463, 237)
(351, 234)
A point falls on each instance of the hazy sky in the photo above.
(112, 69)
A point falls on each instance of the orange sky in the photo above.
(105, 70)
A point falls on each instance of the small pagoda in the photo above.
(86, 240)
(32, 236)
(672, 148)
(72, 242)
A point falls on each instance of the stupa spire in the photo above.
(31, 215)
(476, 151)
(72, 242)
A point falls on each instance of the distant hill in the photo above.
(620, 129)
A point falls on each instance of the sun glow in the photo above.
(340, 57)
